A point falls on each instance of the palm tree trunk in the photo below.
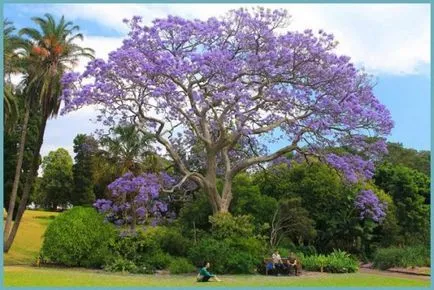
(9, 239)
(17, 177)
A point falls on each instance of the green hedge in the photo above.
(78, 237)
(402, 257)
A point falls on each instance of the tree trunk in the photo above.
(27, 187)
(17, 177)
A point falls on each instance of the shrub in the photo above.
(341, 262)
(120, 264)
(337, 262)
(157, 260)
(180, 266)
(224, 225)
(172, 242)
(148, 248)
(78, 237)
(211, 250)
(231, 255)
(401, 257)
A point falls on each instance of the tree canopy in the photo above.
(226, 83)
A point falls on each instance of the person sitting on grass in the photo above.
(204, 275)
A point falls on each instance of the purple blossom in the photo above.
(134, 198)
(369, 206)
(226, 84)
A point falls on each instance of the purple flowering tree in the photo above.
(221, 85)
(135, 199)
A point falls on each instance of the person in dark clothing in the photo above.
(294, 265)
(205, 276)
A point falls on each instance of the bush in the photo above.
(171, 241)
(337, 262)
(157, 260)
(341, 262)
(401, 257)
(229, 256)
(78, 237)
(210, 250)
(180, 266)
(120, 264)
(224, 225)
(149, 248)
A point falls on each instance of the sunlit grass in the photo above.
(28, 241)
(28, 276)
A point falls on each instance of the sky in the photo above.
(389, 41)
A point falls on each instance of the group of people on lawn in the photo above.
(277, 263)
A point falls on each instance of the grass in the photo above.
(18, 272)
(30, 276)
(28, 241)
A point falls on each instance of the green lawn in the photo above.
(28, 241)
(29, 276)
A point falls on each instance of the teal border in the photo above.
(206, 2)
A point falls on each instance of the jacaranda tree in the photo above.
(222, 85)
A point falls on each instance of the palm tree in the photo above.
(128, 148)
(11, 53)
(50, 52)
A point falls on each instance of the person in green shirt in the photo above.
(204, 275)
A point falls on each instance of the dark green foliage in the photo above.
(231, 248)
(195, 213)
(11, 145)
(248, 200)
(172, 242)
(78, 237)
(85, 148)
(291, 220)
(228, 256)
(180, 266)
(410, 192)
(411, 158)
(402, 257)
(151, 249)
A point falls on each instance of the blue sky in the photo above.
(391, 41)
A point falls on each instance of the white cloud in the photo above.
(384, 38)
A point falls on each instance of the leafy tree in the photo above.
(56, 182)
(85, 148)
(11, 48)
(224, 84)
(248, 200)
(291, 220)
(411, 158)
(127, 148)
(329, 201)
(410, 191)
